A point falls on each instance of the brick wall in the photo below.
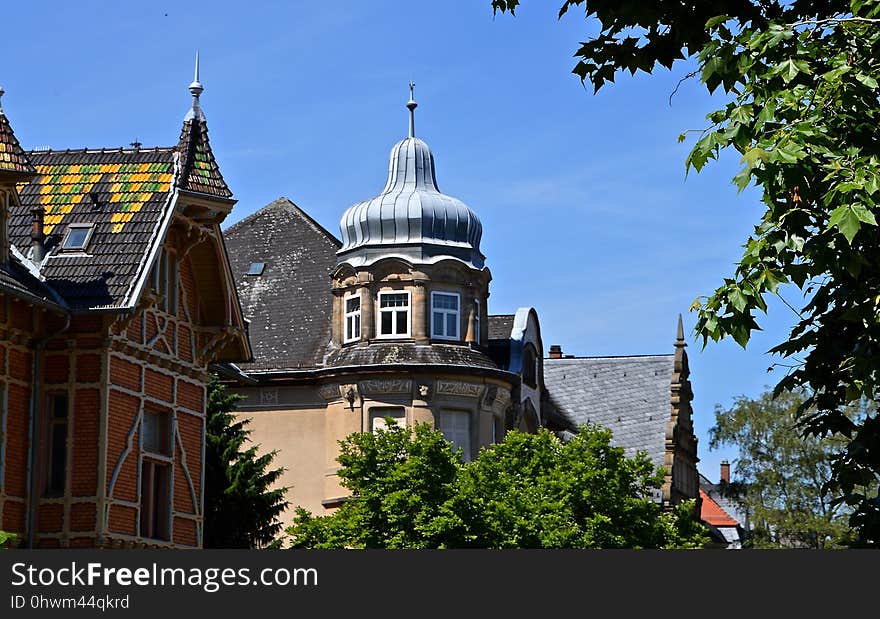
(17, 322)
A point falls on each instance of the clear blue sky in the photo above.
(586, 210)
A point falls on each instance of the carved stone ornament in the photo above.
(390, 385)
(491, 393)
(424, 391)
(503, 396)
(455, 387)
(350, 394)
(268, 396)
(329, 391)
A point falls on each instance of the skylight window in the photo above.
(256, 268)
(77, 237)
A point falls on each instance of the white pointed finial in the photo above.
(412, 105)
(196, 89)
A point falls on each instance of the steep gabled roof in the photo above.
(289, 304)
(125, 194)
(13, 159)
(713, 513)
(629, 395)
(199, 170)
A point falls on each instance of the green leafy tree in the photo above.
(410, 490)
(781, 477)
(7, 539)
(799, 79)
(242, 507)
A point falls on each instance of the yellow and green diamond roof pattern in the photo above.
(123, 194)
(200, 172)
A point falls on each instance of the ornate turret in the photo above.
(411, 218)
(199, 170)
(14, 164)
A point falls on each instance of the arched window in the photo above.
(530, 367)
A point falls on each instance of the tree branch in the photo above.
(834, 20)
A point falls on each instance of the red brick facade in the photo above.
(105, 340)
(113, 369)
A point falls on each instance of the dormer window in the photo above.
(352, 318)
(77, 237)
(445, 315)
(394, 314)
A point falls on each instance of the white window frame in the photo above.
(380, 310)
(346, 315)
(477, 322)
(443, 426)
(446, 312)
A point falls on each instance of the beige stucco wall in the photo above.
(304, 423)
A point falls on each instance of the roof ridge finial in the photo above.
(412, 105)
(196, 89)
(2, 92)
(679, 336)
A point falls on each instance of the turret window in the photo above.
(352, 318)
(394, 314)
(445, 315)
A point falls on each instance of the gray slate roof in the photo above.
(629, 395)
(409, 353)
(500, 326)
(289, 305)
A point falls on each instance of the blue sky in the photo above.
(587, 213)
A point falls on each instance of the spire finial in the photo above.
(2, 92)
(412, 105)
(679, 336)
(196, 89)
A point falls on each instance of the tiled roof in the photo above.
(711, 512)
(289, 304)
(500, 326)
(124, 193)
(12, 157)
(200, 171)
(408, 353)
(629, 395)
(18, 281)
(726, 503)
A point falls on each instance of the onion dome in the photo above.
(411, 218)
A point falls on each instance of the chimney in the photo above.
(37, 234)
(725, 472)
(555, 351)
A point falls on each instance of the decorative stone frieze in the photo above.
(389, 385)
(455, 387)
(330, 391)
(269, 396)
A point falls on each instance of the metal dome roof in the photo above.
(411, 218)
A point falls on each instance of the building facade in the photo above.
(392, 321)
(115, 296)
(389, 322)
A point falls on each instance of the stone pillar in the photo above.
(337, 325)
(468, 312)
(368, 314)
(420, 311)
